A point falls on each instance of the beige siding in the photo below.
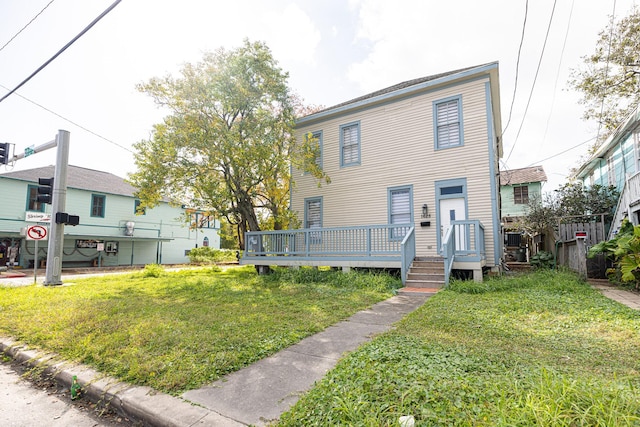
(397, 149)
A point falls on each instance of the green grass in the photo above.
(537, 350)
(178, 331)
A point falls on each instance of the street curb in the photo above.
(139, 403)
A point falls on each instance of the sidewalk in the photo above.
(254, 395)
(628, 298)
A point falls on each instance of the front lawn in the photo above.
(184, 329)
(543, 349)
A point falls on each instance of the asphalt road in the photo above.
(26, 403)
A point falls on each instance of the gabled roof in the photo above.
(399, 86)
(411, 87)
(523, 176)
(78, 178)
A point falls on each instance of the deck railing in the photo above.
(365, 242)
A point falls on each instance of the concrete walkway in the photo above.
(628, 298)
(261, 392)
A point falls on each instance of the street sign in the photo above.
(37, 217)
(36, 232)
(29, 151)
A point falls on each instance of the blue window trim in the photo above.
(42, 205)
(358, 162)
(320, 136)
(104, 205)
(439, 185)
(306, 205)
(436, 145)
(391, 190)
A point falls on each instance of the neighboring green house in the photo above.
(617, 163)
(517, 187)
(110, 232)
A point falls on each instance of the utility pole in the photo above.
(59, 201)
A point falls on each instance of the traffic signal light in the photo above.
(45, 190)
(4, 153)
(65, 218)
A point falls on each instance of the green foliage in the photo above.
(208, 255)
(624, 251)
(609, 79)
(153, 270)
(542, 349)
(227, 144)
(543, 259)
(184, 329)
(572, 202)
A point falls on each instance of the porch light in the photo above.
(425, 211)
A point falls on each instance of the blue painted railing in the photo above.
(388, 245)
(407, 253)
(464, 241)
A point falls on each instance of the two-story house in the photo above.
(414, 177)
(517, 187)
(617, 162)
(112, 229)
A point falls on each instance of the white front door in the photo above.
(452, 210)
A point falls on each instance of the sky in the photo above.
(333, 50)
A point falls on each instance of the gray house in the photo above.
(112, 230)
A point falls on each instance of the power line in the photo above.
(555, 85)
(535, 78)
(28, 23)
(87, 28)
(606, 69)
(71, 121)
(561, 153)
(515, 86)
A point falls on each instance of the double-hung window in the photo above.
(448, 122)
(315, 141)
(521, 195)
(97, 205)
(313, 217)
(350, 144)
(400, 207)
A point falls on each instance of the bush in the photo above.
(542, 259)
(152, 270)
(207, 255)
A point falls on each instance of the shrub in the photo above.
(152, 270)
(208, 255)
(542, 259)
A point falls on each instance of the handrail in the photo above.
(407, 253)
(448, 253)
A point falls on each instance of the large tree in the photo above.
(609, 78)
(227, 144)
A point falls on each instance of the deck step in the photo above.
(425, 273)
(409, 291)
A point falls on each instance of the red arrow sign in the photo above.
(36, 232)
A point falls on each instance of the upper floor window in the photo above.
(137, 209)
(97, 205)
(350, 144)
(448, 122)
(32, 200)
(315, 138)
(521, 195)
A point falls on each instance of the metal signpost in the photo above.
(36, 233)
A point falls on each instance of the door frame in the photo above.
(449, 184)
